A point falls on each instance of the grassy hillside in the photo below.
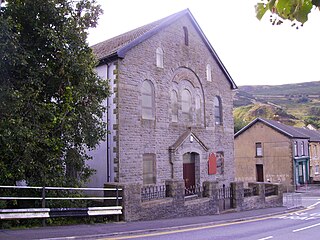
(293, 104)
(308, 88)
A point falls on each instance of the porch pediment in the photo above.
(190, 137)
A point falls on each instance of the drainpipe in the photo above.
(108, 142)
(171, 155)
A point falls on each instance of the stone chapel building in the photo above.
(171, 107)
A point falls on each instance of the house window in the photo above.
(315, 150)
(259, 149)
(186, 102)
(217, 110)
(208, 70)
(147, 92)
(295, 148)
(186, 36)
(174, 106)
(198, 109)
(302, 149)
(159, 53)
(316, 171)
(149, 168)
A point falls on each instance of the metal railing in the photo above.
(270, 190)
(194, 190)
(249, 192)
(42, 195)
(292, 200)
(153, 192)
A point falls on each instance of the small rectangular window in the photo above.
(258, 149)
(295, 148)
(316, 171)
(149, 168)
(302, 149)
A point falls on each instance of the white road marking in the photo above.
(305, 228)
(313, 205)
(266, 238)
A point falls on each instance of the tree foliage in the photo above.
(295, 11)
(50, 95)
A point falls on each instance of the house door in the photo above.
(301, 173)
(189, 170)
(259, 170)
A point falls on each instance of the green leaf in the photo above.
(302, 14)
(284, 7)
(260, 10)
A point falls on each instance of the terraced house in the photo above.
(269, 151)
(170, 108)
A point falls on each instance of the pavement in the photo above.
(92, 231)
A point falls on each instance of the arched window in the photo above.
(186, 102)
(186, 36)
(217, 110)
(174, 106)
(198, 109)
(159, 53)
(208, 70)
(147, 104)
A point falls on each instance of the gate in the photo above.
(225, 198)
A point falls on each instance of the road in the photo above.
(299, 224)
(302, 224)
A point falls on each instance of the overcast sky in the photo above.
(254, 52)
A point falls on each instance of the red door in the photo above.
(189, 174)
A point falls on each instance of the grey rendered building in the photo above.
(170, 108)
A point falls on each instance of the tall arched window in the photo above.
(217, 110)
(147, 103)
(208, 69)
(174, 106)
(198, 109)
(159, 53)
(186, 102)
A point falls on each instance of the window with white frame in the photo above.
(302, 149)
(147, 104)
(174, 106)
(316, 169)
(315, 151)
(149, 168)
(296, 148)
(217, 110)
(159, 58)
(259, 149)
(208, 70)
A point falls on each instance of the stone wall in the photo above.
(174, 205)
(184, 68)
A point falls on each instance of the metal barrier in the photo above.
(249, 192)
(153, 192)
(225, 198)
(44, 212)
(270, 190)
(292, 200)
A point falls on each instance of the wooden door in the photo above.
(189, 174)
(259, 168)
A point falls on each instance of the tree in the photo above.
(295, 11)
(51, 108)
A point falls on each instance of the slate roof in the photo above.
(118, 46)
(287, 130)
(314, 135)
(184, 137)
